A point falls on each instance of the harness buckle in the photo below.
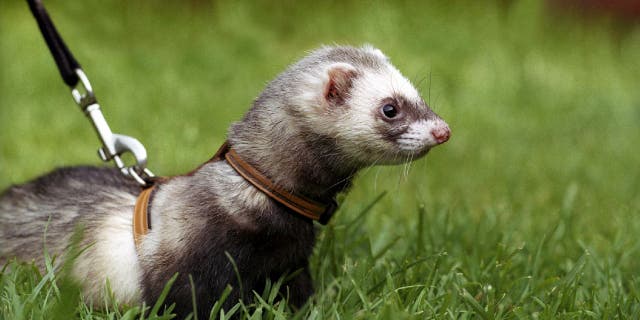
(328, 212)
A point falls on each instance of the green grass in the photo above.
(530, 210)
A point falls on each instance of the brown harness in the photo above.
(304, 206)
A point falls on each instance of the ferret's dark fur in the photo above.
(310, 131)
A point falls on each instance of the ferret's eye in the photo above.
(389, 111)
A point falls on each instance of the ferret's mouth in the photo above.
(416, 154)
(414, 147)
(405, 155)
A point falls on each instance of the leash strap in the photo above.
(65, 61)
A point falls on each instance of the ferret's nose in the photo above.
(441, 133)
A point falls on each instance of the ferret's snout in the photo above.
(441, 133)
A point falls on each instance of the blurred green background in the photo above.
(543, 103)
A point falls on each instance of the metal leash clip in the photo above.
(113, 144)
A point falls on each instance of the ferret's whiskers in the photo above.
(429, 91)
(407, 166)
(402, 173)
(375, 178)
(395, 157)
(419, 82)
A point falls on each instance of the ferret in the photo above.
(336, 111)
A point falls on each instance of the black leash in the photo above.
(67, 64)
(113, 145)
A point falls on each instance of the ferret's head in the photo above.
(358, 99)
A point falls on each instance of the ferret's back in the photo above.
(57, 202)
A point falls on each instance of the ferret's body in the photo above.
(336, 111)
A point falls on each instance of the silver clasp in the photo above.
(113, 144)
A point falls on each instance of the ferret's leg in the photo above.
(300, 288)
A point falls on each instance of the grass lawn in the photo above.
(529, 211)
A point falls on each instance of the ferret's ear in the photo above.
(338, 85)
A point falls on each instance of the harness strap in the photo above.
(141, 215)
(304, 206)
